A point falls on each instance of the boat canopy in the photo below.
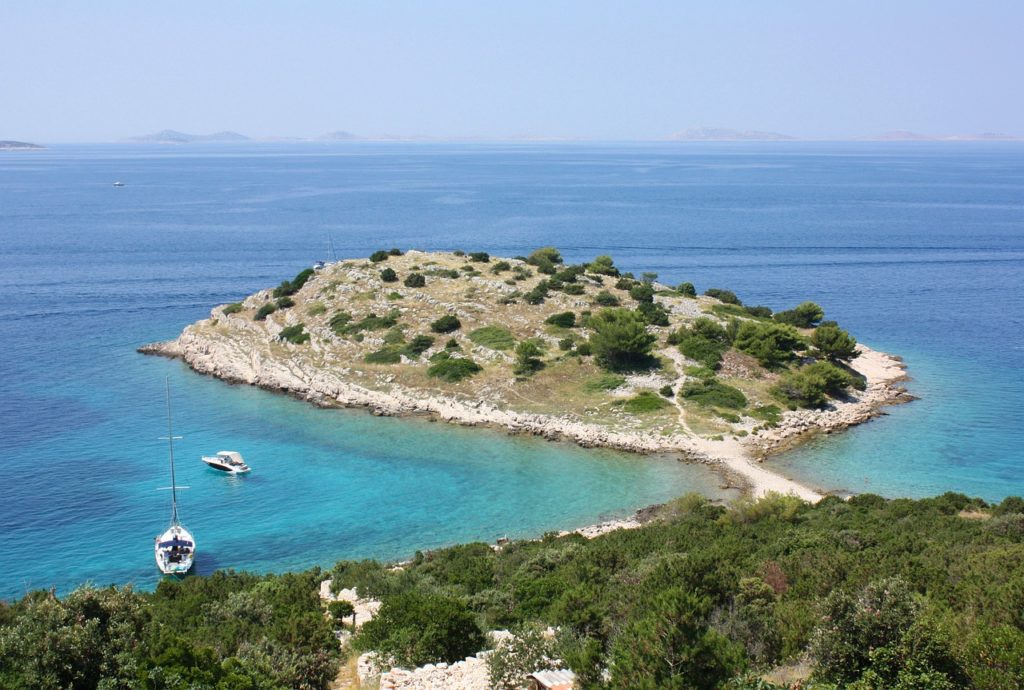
(230, 454)
(174, 542)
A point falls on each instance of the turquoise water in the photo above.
(918, 249)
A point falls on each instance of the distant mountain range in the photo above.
(903, 135)
(19, 146)
(723, 134)
(170, 136)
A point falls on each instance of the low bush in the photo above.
(727, 296)
(285, 303)
(388, 275)
(418, 345)
(606, 299)
(687, 290)
(446, 324)
(565, 344)
(653, 313)
(414, 280)
(290, 287)
(667, 391)
(528, 361)
(395, 251)
(500, 267)
(773, 344)
(565, 319)
(603, 265)
(379, 255)
(339, 322)
(574, 289)
(804, 315)
(391, 354)
(263, 312)
(232, 308)
(619, 338)
(642, 292)
(812, 385)
(453, 369)
(316, 308)
(712, 393)
(494, 337)
(480, 257)
(294, 334)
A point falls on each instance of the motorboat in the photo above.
(119, 184)
(227, 461)
(175, 548)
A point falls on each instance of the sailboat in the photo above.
(176, 547)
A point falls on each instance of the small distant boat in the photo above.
(176, 547)
(227, 461)
(119, 184)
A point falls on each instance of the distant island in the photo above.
(19, 146)
(170, 136)
(903, 135)
(723, 134)
(532, 345)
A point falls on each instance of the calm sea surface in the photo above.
(917, 248)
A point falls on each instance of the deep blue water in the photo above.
(916, 248)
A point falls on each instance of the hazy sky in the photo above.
(102, 70)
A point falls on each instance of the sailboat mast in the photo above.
(170, 453)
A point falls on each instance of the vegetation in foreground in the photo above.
(866, 593)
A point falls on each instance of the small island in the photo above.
(8, 145)
(533, 345)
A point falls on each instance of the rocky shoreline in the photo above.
(740, 458)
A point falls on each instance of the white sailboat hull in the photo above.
(175, 551)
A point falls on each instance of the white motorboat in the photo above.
(119, 184)
(227, 461)
(175, 548)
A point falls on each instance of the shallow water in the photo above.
(918, 249)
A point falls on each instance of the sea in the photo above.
(916, 248)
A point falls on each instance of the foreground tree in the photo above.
(620, 338)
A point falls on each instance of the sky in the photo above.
(104, 70)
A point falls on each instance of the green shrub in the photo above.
(544, 254)
(393, 296)
(372, 322)
(584, 349)
(390, 354)
(804, 315)
(810, 386)
(418, 345)
(603, 265)
(537, 294)
(263, 312)
(446, 324)
(232, 308)
(706, 352)
(625, 283)
(494, 337)
(414, 280)
(565, 344)
(727, 296)
(294, 334)
(290, 287)
(653, 313)
(394, 336)
(772, 344)
(699, 372)
(833, 343)
(500, 267)
(285, 303)
(378, 256)
(574, 289)
(565, 319)
(687, 290)
(341, 611)
(480, 257)
(452, 344)
(619, 338)
(388, 275)
(339, 322)
(416, 628)
(642, 292)
(767, 413)
(667, 391)
(459, 252)
(759, 312)
(395, 251)
(712, 393)
(606, 299)
(453, 369)
(528, 360)
(316, 308)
